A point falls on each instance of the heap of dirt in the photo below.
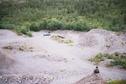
(107, 41)
(91, 79)
(5, 60)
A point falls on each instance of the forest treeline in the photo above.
(34, 15)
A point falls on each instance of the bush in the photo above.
(43, 24)
(29, 34)
(48, 24)
(54, 24)
(119, 62)
(23, 30)
(81, 27)
(97, 59)
(7, 26)
(35, 26)
(118, 59)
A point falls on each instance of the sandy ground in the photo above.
(57, 63)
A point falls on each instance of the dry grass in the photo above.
(62, 39)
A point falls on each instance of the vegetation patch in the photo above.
(80, 15)
(62, 39)
(117, 82)
(117, 59)
(97, 59)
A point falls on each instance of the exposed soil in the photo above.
(43, 60)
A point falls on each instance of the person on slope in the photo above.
(96, 71)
